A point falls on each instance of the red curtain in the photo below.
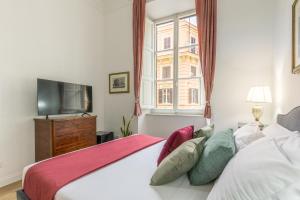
(206, 11)
(138, 21)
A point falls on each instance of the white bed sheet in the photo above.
(128, 179)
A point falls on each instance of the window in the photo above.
(193, 42)
(193, 71)
(176, 81)
(166, 72)
(165, 96)
(193, 96)
(167, 43)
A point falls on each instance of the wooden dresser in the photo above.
(54, 137)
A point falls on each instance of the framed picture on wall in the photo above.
(296, 38)
(119, 83)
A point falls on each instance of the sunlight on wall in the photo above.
(278, 86)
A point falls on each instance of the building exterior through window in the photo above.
(178, 79)
(166, 72)
(165, 96)
(167, 43)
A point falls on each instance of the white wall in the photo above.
(164, 125)
(244, 59)
(118, 58)
(53, 39)
(286, 84)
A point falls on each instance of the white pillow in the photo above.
(291, 148)
(258, 172)
(246, 135)
(275, 130)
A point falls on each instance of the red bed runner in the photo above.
(44, 179)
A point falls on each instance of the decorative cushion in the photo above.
(206, 131)
(175, 139)
(179, 162)
(246, 135)
(218, 150)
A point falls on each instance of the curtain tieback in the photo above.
(137, 100)
(207, 103)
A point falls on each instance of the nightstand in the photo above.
(241, 124)
(261, 126)
(104, 136)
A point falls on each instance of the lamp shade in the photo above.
(260, 95)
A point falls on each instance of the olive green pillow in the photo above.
(206, 131)
(179, 162)
(218, 150)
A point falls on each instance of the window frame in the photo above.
(175, 19)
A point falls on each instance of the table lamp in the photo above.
(258, 96)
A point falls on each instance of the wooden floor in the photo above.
(9, 192)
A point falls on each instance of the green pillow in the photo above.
(179, 162)
(206, 131)
(218, 150)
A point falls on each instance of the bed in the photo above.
(129, 178)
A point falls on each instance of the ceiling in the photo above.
(157, 9)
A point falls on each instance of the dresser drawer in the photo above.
(66, 139)
(86, 123)
(63, 135)
(65, 149)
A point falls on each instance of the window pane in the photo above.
(188, 33)
(166, 72)
(167, 43)
(164, 95)
(188, 63)
(189, 94)
(165, 35)
(164, 65)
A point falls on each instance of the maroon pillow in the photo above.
(175, 140)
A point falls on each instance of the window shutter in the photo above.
(168, 72)
(190, 95)
(147, 87)
(167, 43)
(170, 91)
(160, 96)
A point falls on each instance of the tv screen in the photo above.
(55, 98)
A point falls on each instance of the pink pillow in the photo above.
(175, 140)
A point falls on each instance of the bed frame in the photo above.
(290, 121)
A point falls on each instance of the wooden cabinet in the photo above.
(54, 137)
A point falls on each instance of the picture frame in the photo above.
(296, 37)
(119, 83)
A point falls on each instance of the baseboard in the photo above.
(10, 179)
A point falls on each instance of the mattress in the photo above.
(129, 179)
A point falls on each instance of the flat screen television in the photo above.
(56, 98)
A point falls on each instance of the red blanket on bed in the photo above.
(44, 179)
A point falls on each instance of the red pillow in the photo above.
(175, 140)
